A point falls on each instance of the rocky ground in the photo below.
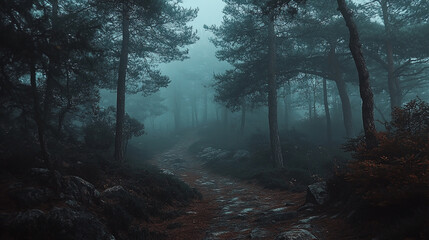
(233, 209)
(126, 203)
(42, 204)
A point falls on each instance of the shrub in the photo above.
(99, 132)
(396, 171)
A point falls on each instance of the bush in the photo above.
(396, 171)
(99, 132)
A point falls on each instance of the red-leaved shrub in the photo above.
(396, 171)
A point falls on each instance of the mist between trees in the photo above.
(266, 65)
(87, 86)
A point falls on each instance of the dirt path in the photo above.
(233, 209)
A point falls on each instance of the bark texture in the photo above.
(327, 113)
(120, 98)
(276, 151)
(286, 102)
(392, 80)
(38, 117)
(342, 91)
(52, 70)
(364, 86)
(243, 118)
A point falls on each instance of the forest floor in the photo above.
(235, 209)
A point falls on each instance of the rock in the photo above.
(65, 223)
(258, 233)
(167, 172)
(80, 190)
(278, 209)
(297, 234)
(303, 226)
(307, 206)
(178, 160)
(28, 223)
(278, 216)
(29, 218)
(307, 220)
(114, 192)
(31, 197)
(241, 155)
(317, 193)
(222, 154)
(73, 204)
(210, 154)
(130, 203)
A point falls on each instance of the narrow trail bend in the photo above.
(234, 209)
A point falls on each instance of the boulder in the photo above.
(115, 192)
(80, 190)
(27, 222)
(130, 204)
(65, 223)
(258, 233)
(297, 234)
(31, 197)
(222, 154)
(317, 193)
(59, 223)
(210, 154)
(73, 204)
(241, 155)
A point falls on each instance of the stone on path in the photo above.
(317, 193)
(297, 234)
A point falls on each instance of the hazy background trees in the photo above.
(250, 55)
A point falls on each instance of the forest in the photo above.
(214, 119)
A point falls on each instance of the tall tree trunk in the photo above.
(286, 102)
(120, 98)
(342, 91)
(38, 117)
(225, 117)
(205, 107)
(276, 151)
(327, 113)
(243, 118)
(364, 86)
(64, 110)
(314, 102)
(392, 79)
(194, 108)
(177, 112)
(52, 65)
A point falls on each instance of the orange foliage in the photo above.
(397, 170)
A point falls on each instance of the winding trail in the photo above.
(234, 209)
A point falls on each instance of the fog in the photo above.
(214, 119)
(192, 90)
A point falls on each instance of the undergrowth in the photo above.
(305, 162)
(389, 183)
